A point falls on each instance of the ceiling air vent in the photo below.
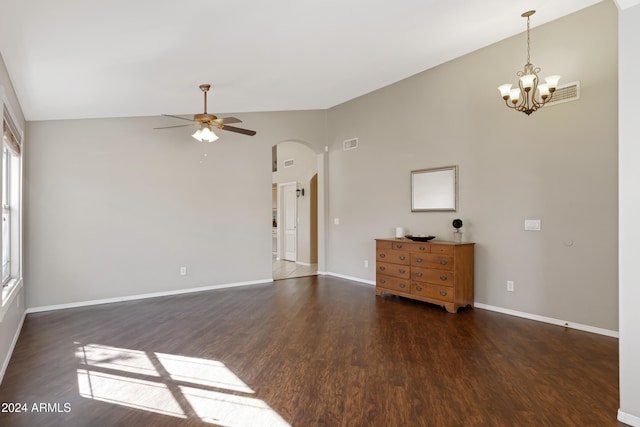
(288, 163)
(350, 144)
(566, 93)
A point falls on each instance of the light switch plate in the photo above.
(532, 225)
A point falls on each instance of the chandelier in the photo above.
(529, 96)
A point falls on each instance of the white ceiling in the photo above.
(117, 58)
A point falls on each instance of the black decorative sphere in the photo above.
(457, 223)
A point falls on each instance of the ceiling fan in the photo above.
(206, 121)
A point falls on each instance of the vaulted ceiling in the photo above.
(117, 58)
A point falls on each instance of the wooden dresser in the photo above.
(436, 271)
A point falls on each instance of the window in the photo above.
(6, 216)
(11, 230)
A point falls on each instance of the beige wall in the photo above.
(559, 165)
(115, 208)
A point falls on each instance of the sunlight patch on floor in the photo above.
(202, 372)
(133, 393)
(117, 359)
(168, 384)
(230, 410)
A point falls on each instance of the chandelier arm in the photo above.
(523, 97)
(534, 102)
(509, 104)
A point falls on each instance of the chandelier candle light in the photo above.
(529, 96)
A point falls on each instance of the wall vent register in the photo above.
(350, 144)
(566, 93)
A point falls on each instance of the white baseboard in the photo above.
(632, 420)
(559, 322)
(355, 279)
(536, 317)
(143, 296)
(5, 364)
(551, 320)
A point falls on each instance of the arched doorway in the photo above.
(296, 206)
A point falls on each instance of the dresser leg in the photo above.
(451, 308)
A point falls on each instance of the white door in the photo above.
(289, 220)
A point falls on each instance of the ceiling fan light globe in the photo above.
(198, 135)
(212, 138)
(208, 135)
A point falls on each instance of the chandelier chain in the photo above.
(528, 44)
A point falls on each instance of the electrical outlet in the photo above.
(366, 263)
(510, 286)
(183, 271)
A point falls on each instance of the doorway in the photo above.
(296, 210)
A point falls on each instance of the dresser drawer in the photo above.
(439, 277)
(442, 262)
(442, 293)
(442, 249)
(395, 270)
(392, 256)
(412, 246)
(393, 283)
(383, 244)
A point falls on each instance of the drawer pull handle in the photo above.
(443, 278)
(402, 285)
(443, 262)
(418, 259)
(402, 271)
(443, 293)
(382, 255)
(382, 281)
(399, 246)
(418, 288)
(382, 268)
(422, 248)
(402, 258)
(418, 274)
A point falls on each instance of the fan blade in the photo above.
(178, 117)
(237, 130)
(178, 126)
(225, 120)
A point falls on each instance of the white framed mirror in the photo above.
(434, 189)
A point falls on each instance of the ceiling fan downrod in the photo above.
(205, 88)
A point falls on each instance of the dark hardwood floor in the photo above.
(311, 351)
